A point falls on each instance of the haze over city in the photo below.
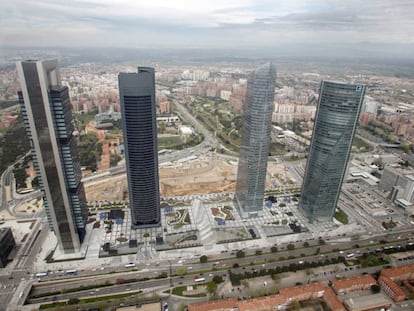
(271, 28)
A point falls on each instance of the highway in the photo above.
(218, 266)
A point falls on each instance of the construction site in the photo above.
(210, 173)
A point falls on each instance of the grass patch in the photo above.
(181, 289)
(170, 142)
(58, 304)
(341, 216)
(372, 261)
(361, 145)
(389, 225)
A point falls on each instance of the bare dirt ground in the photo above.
(207, 174)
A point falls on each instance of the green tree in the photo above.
(211, 287)
(294, 306)
(375, 288)
(114, 159)
(259, 252)
(245, 283)
(240, 254)
(274, 249)
(217, 279)
(13, 144)
(20, 176)
(203, 259)
(290, 247)
(89, 151)
(73, 301)
(305, 244)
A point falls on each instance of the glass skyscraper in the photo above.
(137, 97)
(47, 115)
(255, 141)
(334, 129)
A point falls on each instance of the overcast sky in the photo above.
(200, 23)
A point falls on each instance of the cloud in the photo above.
(212, 23)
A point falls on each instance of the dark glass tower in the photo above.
(47, 115)
(137, 94)
(255, 141)
(335, 123)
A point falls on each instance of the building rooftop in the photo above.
(156, 306)
(392, 285)
(218, 305)
(396, 272)
(332, 301)
(350, 282)
(367, 302)
(262, 303)
(292, 292)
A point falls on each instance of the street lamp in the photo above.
(169, 262)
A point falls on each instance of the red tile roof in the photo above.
(332, 301)
(398, 272)
(298, 291)
(262, 303)
(347, 284)
(217, 305)
(397, 291)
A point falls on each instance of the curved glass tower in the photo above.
(334, 129)
(47, 115)
(255, 141)
(137, 94)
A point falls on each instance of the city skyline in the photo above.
(214, 24)
(255, 141)
(336, 120)
(46, 110)
(137, 99)
(199, 137)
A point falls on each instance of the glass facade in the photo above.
(255, 141)
(47, 116)
(137, 94)
(334, 129)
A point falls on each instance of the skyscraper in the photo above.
(137, 94)
(335, 123)
(47, 115)
(255, 141)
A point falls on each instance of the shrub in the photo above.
(240, 254)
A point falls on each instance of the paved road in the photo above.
(255, 263)
(5, 182)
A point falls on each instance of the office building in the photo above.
(255, 141)
(7, 243)
(47, 115)
(335, 123)
(398, 182)
(137, 98)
